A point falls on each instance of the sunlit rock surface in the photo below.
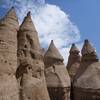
(30, 72)
(8, 56)
(87, 80)
(57, 77)
(73, 61)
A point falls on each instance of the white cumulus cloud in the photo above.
(51, 22)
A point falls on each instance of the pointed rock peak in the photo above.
(53, 52)
(10, 19)
(52, 42)
(12, 14)
(87, 48)
(28, 17)
(27, 23)
(28, 30)
(74, 49)
(29, 13)
(12, 7)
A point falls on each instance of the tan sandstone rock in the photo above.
(73, 61)
(57, 78)
(8, 56)
(87, 80)
(30, 72)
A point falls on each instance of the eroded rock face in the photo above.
(73, 61)
(8, 42)
(33, 83)
(43, 51)
(8, 58)
(28, 56)
(57, 78)
(8, 87)
(30, 72)
(87, 80)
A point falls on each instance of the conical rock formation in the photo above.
(73, 61)
(58, 81)
(30, 72)
(88, 52)
(28, 27)
(52, 55)
(53, 52)
(87, 80)
(8, 58)
(21, 55)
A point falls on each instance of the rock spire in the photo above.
(57, 76)
(86, 83)
(73, 61)
(32, 36)
(53, 52)
(88, 52)
(53, 55)
(8, 59)
(30, 72)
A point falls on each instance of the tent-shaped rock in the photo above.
(87, 80)
(8, 59)
(73, 61)
(57, 78)
(30, 72)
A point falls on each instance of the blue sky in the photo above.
(65, 21)
(86, 15)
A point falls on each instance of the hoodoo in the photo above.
(8, 58)
(30, 72)
(87, 80)
(73, 61)
(57, 78)
(27, 72)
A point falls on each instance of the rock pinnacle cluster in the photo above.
(86, 85)
(29, 72)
